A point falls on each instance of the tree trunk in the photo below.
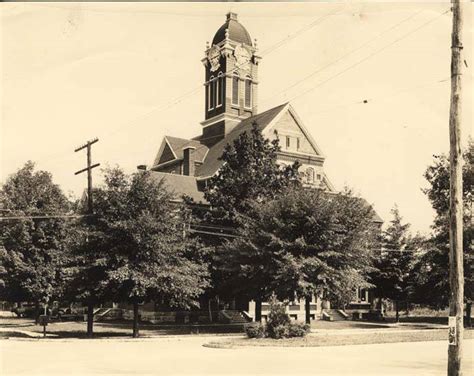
(397, 312)
(307, 308)
(258, 310)
(210, 309)
(135, 320)
(408, 308)
(468, 314)
(90, 319)
(37, 312)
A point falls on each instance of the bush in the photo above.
(278, 320)
(279, 331)
(278, 326)
(255, 330)
(297, 329)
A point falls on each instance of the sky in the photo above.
(130, 73)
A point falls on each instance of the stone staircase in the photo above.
(334, 315)
(232, 317)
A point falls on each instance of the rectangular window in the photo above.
(318, 177)
(287, 142)
(248, 93)
(219, 91)
(212, 93)
(235, 90)
(208, 96)
(298, 143)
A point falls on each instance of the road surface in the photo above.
(185, 355)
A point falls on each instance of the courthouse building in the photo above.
(231, 81)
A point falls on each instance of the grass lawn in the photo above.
(77, 329)
(343, 339)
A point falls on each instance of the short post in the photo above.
(43, 320)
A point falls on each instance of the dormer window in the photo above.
(248, 92)
(235, 90)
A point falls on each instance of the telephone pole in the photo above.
(90, 166)
(456, 274)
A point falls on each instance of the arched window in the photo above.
(219, 89)
(235, 89)
(248, 92)
(212, 93)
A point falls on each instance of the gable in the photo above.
(166, 155)
(293, 137)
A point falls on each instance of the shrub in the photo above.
(278, 326)
(279, 331)
(277, 320)
(297, 329)
(255, 330)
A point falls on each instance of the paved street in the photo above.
(185, 355)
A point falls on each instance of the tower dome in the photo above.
(237, 33)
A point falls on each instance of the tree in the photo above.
(394, 263)
(35, 251)
(432, 268)
(145, 253)
(250, 172)
(300, 243)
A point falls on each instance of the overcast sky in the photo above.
(72, 72)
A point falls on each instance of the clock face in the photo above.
(242, 57)
(213, 56)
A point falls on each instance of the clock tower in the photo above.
(231, 80)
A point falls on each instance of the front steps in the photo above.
(334, 315)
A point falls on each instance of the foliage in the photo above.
(298, 329)
(255, 330)
(300, 243)
(278, 320)
(249, 172)
(34, 253)
(146, 254)
(395, 261)
(278, 324)
(431, 272)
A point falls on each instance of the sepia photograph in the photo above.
(236, 188)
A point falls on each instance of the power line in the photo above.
(22, 217)
(302, 30)
(345, 55)
(230, 71)
(371, 55)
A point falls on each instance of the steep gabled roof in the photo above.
(212, 163)
(175, 146)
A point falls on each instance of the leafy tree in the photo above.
(144, 250)
(432, 270)
(34, 251)
(298, 244)
(250, 172)
(392, 279)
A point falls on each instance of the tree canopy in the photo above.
(394, 263)
(300, 243)
(249, 172)
(35, 251)
(432, 269)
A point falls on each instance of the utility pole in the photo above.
(456, 274)
(90, 166)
